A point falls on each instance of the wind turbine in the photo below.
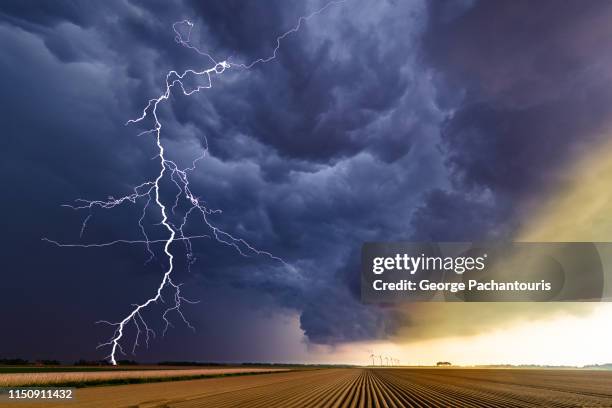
(372, 356)
(380, 356)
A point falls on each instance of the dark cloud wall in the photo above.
(377, 121)
(533, 86)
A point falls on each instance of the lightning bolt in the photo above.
(151, 191)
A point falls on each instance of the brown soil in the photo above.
(394, 387)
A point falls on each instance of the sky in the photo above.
(378, 121)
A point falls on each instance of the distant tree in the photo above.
(127, 362)
(82, 362)
(48, 362)
(443, 363)
(13, 361)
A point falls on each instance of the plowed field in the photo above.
(363, 388)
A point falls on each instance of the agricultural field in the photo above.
(76, 377)
(367, 387)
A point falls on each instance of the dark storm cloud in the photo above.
(377, 121)
(455, 216)
(532, 83)
(48, 14)
(311, 154)
(332, 81)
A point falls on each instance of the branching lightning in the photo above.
(150, 192)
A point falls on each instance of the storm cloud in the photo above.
(377, 121)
